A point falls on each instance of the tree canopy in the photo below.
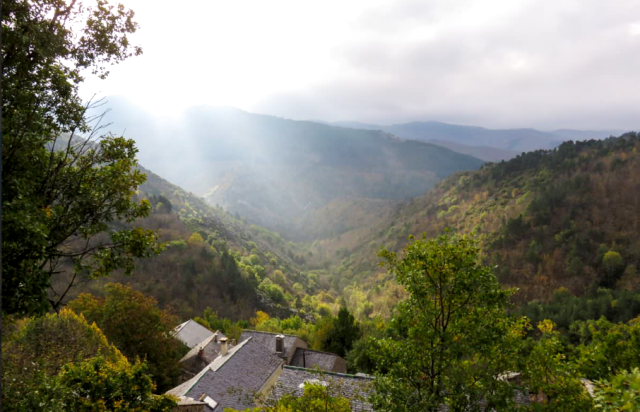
(133, 322)
(451, 338)
(60, 362)
(64, 185)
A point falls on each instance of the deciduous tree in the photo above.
(133, 322)
(63, 186)
(451, 338)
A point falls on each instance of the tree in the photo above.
(38, 349)
(622, 393)
(100, 385)
(316, 398)
(326, 396)
(613, 266)
(550, 378)
(63, 184)
(135, 324)
(59, 362)
(338, 335)
(451, 339)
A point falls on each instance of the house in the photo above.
(234, 379)
(307, 358)
(202, 355)
(192, 333)
(282, 345)
(295, 352)
(354, 388)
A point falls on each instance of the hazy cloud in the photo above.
(544, 64)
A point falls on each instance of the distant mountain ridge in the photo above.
(275, 171)
(480, 142)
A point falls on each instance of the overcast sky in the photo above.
(494, 63)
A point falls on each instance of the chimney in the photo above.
(279, 343)
(201, 353)
(233, 342)
(215, 337)
(223, 346)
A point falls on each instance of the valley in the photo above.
(303, 215)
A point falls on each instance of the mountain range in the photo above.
(485, 144)
(276, 172)
(546, 218)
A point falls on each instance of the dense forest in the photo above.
(547, 219)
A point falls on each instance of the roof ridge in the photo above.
(321, 372)
(193, 351)
(319, 351)
(271, 333)
(209, 367)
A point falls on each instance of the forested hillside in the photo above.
(276, 172)
(486, 144)
(547, 219)
(212, 259)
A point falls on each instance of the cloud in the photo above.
(494, 63)
(501, 64)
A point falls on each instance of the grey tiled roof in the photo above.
(307, 358)
(211, 347)
(267, 339)
(192, 333)
(354, 388)
(233, 379)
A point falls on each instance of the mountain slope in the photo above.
(486, 153)
(519, 140)
(275, 172)
(485, 144)
(548, 219)
(211, 260)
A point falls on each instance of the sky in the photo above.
(545, 64)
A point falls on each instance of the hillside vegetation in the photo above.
(212, 259)
(276, 172)
(566, 217)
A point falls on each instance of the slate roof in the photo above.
(193, 362)
(192, 333)
(354, 388)
(267, 339)
(211, 347)
(307, 358)
(233, 379)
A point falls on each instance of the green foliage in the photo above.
(101, 385)
(451, 338)
(622, 393)
(564, 308)
(271, 291)
(553, 381)
(59, 362)
(213, 322)
(178, 244)
(316, 398)
(135, 324)
(607, 348)
(62, 191)
(38, 348)
(95, 384)
(613, 265)
(195, 239)
(340, 335)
